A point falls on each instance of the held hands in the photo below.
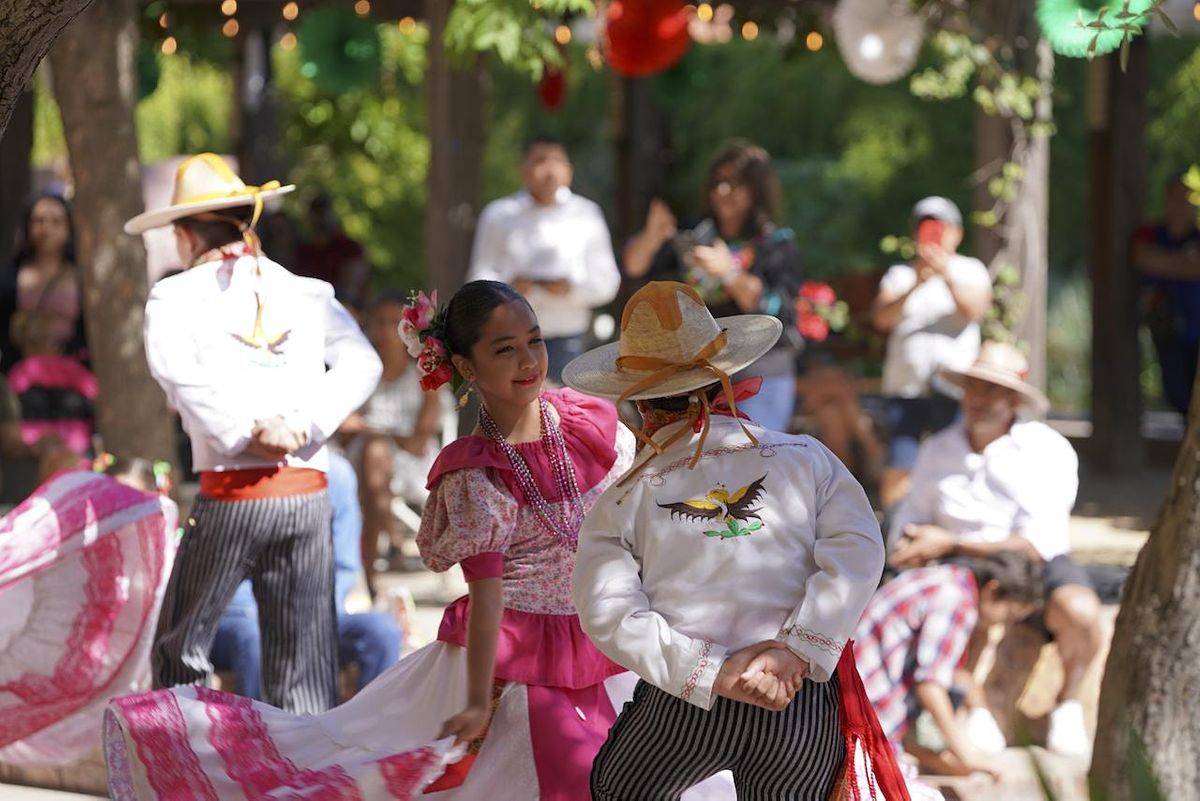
(922, 544)
(933, 260)
(466, 725)
(765, 674)
(272, 439)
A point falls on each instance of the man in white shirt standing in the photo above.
(262, 366)
(725, 549)
(930, 310)
(553, 247)
(995, 481)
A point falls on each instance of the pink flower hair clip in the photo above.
(422, 328)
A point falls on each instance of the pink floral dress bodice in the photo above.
(478, 517)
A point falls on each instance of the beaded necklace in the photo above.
(563, 525)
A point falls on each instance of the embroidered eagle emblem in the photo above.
(258, 337)
(735, 509)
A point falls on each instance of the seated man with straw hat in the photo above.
(727, 569)
(263, 366)
(996, 481)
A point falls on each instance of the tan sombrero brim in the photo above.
(165, 216)
(1034, 403)
(749, 337)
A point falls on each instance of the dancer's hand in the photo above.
(275, 433)
(780, 664)
(466, 725)
(769, 692)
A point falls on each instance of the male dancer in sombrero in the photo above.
(722, 536)
(241, 347)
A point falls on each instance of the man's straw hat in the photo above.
(204, 183)
(670, 344)
(1002, 364)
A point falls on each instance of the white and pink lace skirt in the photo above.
(194, 743)
(83, 564)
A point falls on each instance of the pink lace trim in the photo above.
(827, 644)
(239, 735)
(47, 698)
(159, 732)
(405, 775)
(694, 679)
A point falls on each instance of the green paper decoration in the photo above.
(1059, 21)
(340, 49)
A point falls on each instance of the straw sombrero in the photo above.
(670, 344)
(205, 183)
(1002, 364)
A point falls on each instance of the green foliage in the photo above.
(340, 49)
(1069, 343)
(1173, 108)
(188, 112)
(518, 32)
(367, 149)
(1008, 305)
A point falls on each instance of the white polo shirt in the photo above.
(931, 333)
(567, 240)
(1022, 484)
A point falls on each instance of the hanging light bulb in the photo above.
(288, 41)
(749, 30)
(229, 7)
(704, 12)
(814, 41)
(230, 28)
(291, 10)
(362, 8)
(169, 46)
(407, 25)
(562, 35)
(164, 20)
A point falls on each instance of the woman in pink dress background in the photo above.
(516, 715)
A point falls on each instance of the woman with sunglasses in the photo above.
(739, 260)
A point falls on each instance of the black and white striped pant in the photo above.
(661, 745)
(285, 547)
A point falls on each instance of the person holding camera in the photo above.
(930, 309)
(739, 261)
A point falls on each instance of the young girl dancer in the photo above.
(512, 678)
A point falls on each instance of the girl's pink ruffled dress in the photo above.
(556, 695)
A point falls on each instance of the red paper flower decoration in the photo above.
(646, 36)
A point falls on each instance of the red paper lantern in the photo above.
(552, 88)
(646, 36)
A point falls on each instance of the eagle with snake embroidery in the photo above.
(736, 510)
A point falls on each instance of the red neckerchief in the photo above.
(746, 388)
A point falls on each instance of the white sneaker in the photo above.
(1068, 735)
(984, 732)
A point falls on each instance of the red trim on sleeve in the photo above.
(483, 565)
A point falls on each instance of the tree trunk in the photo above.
(15, 175)
(96, 87)
(455, 103)
(1153, 671)
(27, 31)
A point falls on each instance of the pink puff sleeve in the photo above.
(467, 520)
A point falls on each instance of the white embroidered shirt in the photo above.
(224, 365)
(680, 568)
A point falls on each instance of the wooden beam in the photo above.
(1117, 174)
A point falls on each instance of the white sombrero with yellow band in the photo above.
(205, 183)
